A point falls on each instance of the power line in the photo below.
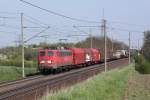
(127, 30)
(36, 34)
(3, 17)
(10, 26)
(43, 36)
(58, 14)
(77, 35)
(125, 23)
(80, 30)
(35, 21)
(9, 32)
(88, 26)
(58, 31)
(9, 13)
(35, 27)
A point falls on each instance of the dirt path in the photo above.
(138, 87)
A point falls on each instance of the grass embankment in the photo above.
(8, 73)
(138, 87)
(106, 86)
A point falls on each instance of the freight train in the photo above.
(120, 54)
(52, 60)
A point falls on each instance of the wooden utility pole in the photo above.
(138, 47)
(129, 48)
(22, 38)
(90, 34)
(105, 41)
(112, 48)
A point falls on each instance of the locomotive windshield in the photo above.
(42, 53)
(50, 53)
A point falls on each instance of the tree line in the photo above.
(31, 51)
(142, 61)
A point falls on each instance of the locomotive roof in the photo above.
(54, 50)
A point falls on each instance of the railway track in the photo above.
(4, 84)
(32, 76)
(35, 87)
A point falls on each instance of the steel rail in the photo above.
(54, 81)
(4, 84)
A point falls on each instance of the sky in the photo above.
(122, 16)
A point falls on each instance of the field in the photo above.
(106, 86)
(8, 73)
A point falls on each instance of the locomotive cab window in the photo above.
(50, 53)
(42, 53)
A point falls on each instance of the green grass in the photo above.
(106, 86)
(138, 88)
(8, 73)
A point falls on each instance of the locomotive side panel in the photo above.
(53, 59)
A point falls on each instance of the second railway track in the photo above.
(5, 84)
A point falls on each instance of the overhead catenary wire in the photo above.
(35, 21)
(9, 23)
(80, 30)
(112, 28)
(77, 35)
(36, 35)
(29, 19)
(10, 26)
(4, 17)
(129, 24)
(58, 14)
(40, 26)
(9, 32)
(88, 26)
(126, 30)
(9, 13)
(31, 27)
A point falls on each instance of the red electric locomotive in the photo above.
(53, 59)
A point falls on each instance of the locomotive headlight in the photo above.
(42, 62)
(49, 61)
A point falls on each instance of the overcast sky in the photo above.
(118, 13)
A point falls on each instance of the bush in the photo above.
(146, 69)
(146, 45)
(142, 65)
